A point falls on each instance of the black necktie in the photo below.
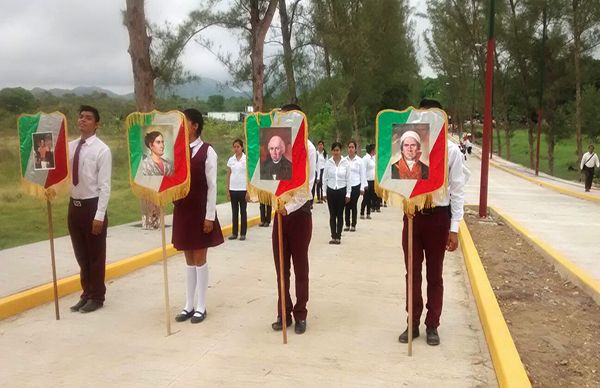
(76, 162)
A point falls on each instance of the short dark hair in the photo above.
(289, 107)
(336, 144)
(321, 142)
(150, 137)
(195, 116)
(352, 141)
(428, 103)
(91, 109)
(369, 148)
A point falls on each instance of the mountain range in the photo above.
(200, 89)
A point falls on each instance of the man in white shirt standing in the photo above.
(588, 162)
(435, 231)
(91, 163)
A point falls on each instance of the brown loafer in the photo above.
(91, 305)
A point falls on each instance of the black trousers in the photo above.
(238, 204)
(351, 207)
(368, 201)
(319, 185)
(265, 213)
(589, 177)
(90, 249)
(336, 199)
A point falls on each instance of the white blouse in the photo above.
(337, 176)
(357, 172)
(210, 171)
(237, 179)
(369, 164)
(321, 159)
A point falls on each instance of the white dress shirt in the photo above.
(95, 166)
(369, 163)
(457, 178)
(321, 160)
(590, 160)
(237, 178)
(337, 176)
(300, 197)
(357, 172)
(210, 170)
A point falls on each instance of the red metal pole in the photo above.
(487, 114)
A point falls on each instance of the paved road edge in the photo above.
(22, 301)
(510, 371)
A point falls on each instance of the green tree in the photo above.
(17, 100)
(216, 103)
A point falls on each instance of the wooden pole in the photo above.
(51, 238)
(410, 283)
(281, 278)
(165, 270)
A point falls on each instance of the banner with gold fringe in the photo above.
(159, 155)
(277, 164)
(411, 156)
(43, 151)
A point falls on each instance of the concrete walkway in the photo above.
(355, 317)
(568, 224)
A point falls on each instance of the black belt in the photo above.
(434, 210)
(83, 202)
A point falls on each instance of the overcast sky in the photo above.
(66, 43)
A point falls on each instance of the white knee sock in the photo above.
(190, 290)
(202, 279)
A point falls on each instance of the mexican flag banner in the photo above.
(43, 152)
(159, 156)
(411, 160)
(277, 154)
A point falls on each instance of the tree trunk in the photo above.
(288, 62)
(258, 31)
(531, 141)
(356, 135)
(551, 144)
(498, 140)
(139, 50)
(577, 59)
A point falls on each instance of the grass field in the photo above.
(23, 219)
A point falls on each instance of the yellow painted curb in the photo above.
(510, 371)
(562, 190)
(25, 300)
(590, 285)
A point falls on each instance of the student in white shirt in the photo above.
(336, 179)
(91, 165)
(321, 159)
(588, 162)
(358, 184)
(237, 190)
(369, 196)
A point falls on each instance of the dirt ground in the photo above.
(555, 326)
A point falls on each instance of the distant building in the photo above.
(227, 116)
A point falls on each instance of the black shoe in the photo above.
(79, 305)
(233, 237)
(261, 224)
(433, 338)
(338, 241)
(404, 336)
(198, 317)
(353, 228)
(346, 229)
(278, 326)
(368, 216)
(242, 238)
(184, 315)
(332, 241)
(91, 305)
(300, 326)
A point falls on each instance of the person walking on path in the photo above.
(195, 223)
(321, 159)
(368, 201)
(265, 215)
(237, 189)
(91, 164)
(336, 179)
(435, 231)
(296, 219)
(358, 183)
(588, 162)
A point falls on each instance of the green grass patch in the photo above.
(23, 219)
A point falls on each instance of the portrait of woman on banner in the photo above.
(154, 162)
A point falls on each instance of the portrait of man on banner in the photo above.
(410, 151)
(44, 150)
(157, 161)
(276, 153)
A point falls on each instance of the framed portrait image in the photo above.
(43, 149)
(276, 158)
(411, 151)
(159, 155)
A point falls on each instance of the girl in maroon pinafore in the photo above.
(195, 223)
